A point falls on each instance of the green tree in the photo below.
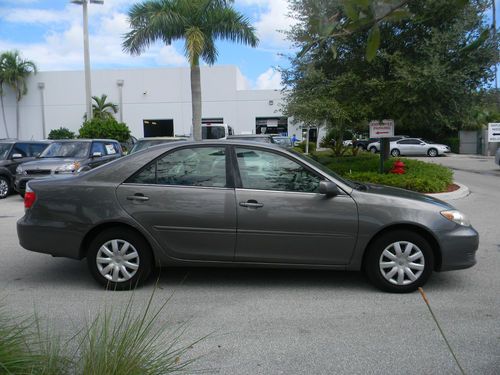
(101, 108)
(61, 133)
(105, 128)
(199, 23)
(14, 71)
(427, 74)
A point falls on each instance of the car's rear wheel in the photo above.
(4, 187)
(395, 153)
(119, 260)
(399, 261)
(432, 152)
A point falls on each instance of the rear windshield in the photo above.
(144, 144)
(67, 150)
(213, 132)
(4, 150)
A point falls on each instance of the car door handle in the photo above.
(137, 197)
(251, 204)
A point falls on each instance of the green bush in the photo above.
(61, 133)
(302, 146)
(105, 128)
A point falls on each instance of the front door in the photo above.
(283, 219)
(186, 202)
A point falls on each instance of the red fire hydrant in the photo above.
(398, 167)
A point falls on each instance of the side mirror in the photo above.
(328, 188)
(97, 154)
(17, 156)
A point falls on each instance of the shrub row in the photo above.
(420, 176)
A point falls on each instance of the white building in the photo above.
(160, 94)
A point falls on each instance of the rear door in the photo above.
(186, 200)
(283, 219)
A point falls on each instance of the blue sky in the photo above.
(49, 32)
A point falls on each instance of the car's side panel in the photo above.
(196, 223)
(293, 227)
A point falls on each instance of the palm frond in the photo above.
(228, 24)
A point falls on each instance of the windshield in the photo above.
(4, 150)
(352, 184)
(67, 150)
(213, 132)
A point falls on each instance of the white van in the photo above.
(215, 131)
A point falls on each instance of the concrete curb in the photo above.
(460, 193)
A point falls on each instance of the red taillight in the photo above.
(29, 199)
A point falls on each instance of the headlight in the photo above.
(456, 217)
(68, 168)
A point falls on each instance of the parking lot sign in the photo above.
(381, 129)
(494, 132)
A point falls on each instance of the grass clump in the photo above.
(420, 176)
(123, 342)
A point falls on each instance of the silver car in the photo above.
(417, 146)
(241, 204)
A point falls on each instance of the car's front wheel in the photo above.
(399, 261)
(432, 152)
(395, 152)
(4, 187)
(119, 260)
(373, 150)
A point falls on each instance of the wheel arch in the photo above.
(107, 225)
(425, 233)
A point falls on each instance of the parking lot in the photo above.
(294, 321)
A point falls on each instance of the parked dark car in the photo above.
(261, 138)
(13, 153)
(66, 157)
(145, 143)
(235, 203)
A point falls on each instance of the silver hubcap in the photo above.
(117, 260)
(402, 263)
(432, 153)
(4, 188)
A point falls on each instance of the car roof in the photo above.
(236, 136)
(12, 141)
(161, 138)
(84, 140)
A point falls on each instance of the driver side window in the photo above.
(265, 170)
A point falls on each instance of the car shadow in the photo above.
(258, 278)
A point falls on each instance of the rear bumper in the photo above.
(56, 239)
(458, 248)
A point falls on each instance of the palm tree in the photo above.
(199, 23)
(14, 71)
(103, 109)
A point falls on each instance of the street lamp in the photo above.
(86, 56)
(41, 86)
(119, 83)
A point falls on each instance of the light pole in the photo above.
(119, 83)
(41, 86)
(86, 55)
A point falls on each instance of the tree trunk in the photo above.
(196, 99)
(3, 115)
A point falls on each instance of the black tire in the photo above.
(144, 260)
(373, 150)
(374, 258)
(5, 187)
(432, 152)
(395, 152)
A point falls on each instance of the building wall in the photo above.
(153, 93)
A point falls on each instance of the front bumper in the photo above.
(458, 248)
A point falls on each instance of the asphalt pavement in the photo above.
(290, 321)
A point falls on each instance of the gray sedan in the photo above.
(235, 203)
(417, 146)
